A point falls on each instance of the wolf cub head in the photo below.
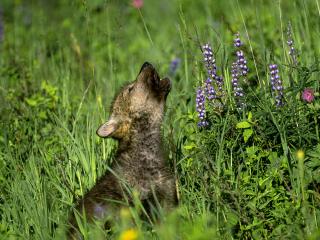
(139, 106)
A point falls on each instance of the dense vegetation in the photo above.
(251, 172)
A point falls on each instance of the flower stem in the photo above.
(145, 27)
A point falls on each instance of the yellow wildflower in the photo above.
(300, 155)
(129, 234)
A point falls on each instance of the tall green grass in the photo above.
(61, 62)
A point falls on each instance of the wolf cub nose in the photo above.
(145, 65)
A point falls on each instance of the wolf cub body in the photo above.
(135, 121)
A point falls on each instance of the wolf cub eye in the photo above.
(130, 89)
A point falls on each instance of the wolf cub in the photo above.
(135, 121)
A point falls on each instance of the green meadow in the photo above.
(252, 173)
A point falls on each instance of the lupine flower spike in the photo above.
(209, 90)
(276, 85)
(241, 60)
(211, 67)
(200, 106)
(239, 69)
(290, 42)
(238, 91)
(174, 66)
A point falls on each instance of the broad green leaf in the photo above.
(189, 147)
(31, 102)
(243, 124)
(247, 133)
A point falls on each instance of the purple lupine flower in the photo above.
(241, 60)
(210, 64)
(290, 42)
(276, 85)
(174, 66)
(238, 69)
(201, 109)
(209, 89)
(237, 89)
(242, 63)
(209, 60)
(237, 40)
(308, 95)
(219, 80)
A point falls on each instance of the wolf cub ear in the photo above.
(107, 129)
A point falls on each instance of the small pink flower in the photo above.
(308, 95)
(137, 3)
